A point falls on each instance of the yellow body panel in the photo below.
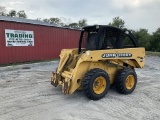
(74, 66)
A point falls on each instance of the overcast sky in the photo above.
(136, 13)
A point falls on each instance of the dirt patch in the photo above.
(26, 94)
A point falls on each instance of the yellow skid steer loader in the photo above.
(106, 55)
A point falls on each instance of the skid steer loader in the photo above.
(106, 55)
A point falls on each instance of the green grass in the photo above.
(150, 53)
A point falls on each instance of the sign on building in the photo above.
(19, 38)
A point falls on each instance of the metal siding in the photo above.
(6, 49)
(1, 44)
(37, 43)
(48, 42)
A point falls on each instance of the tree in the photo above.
(55, 21)
(117, 22)
(155, 41)
(12, 13)
(46, 20)
(143, 38)
(39, 19)
(82, 23)
(2, 10)
(21, 14)
(65, 22)
(73, 25)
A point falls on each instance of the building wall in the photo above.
(48, 42)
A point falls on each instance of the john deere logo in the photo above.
(116, 55)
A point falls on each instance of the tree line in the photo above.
(65, 22)
(151, 42)
(12, 13)
(58, 21)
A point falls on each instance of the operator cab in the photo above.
(101, 37)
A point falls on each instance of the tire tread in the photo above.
(86, 82)
(119, 82)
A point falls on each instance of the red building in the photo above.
(24, 40)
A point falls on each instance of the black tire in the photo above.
(88, 81)
(121, 78)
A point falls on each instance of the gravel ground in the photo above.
(26, 94)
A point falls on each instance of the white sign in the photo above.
(19, 38)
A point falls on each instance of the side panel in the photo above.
(137, 55)
(82, 68)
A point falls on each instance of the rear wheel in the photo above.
(126, 81)
(95, 84)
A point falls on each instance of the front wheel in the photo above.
(95, 84)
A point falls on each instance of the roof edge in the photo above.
(31, 21)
